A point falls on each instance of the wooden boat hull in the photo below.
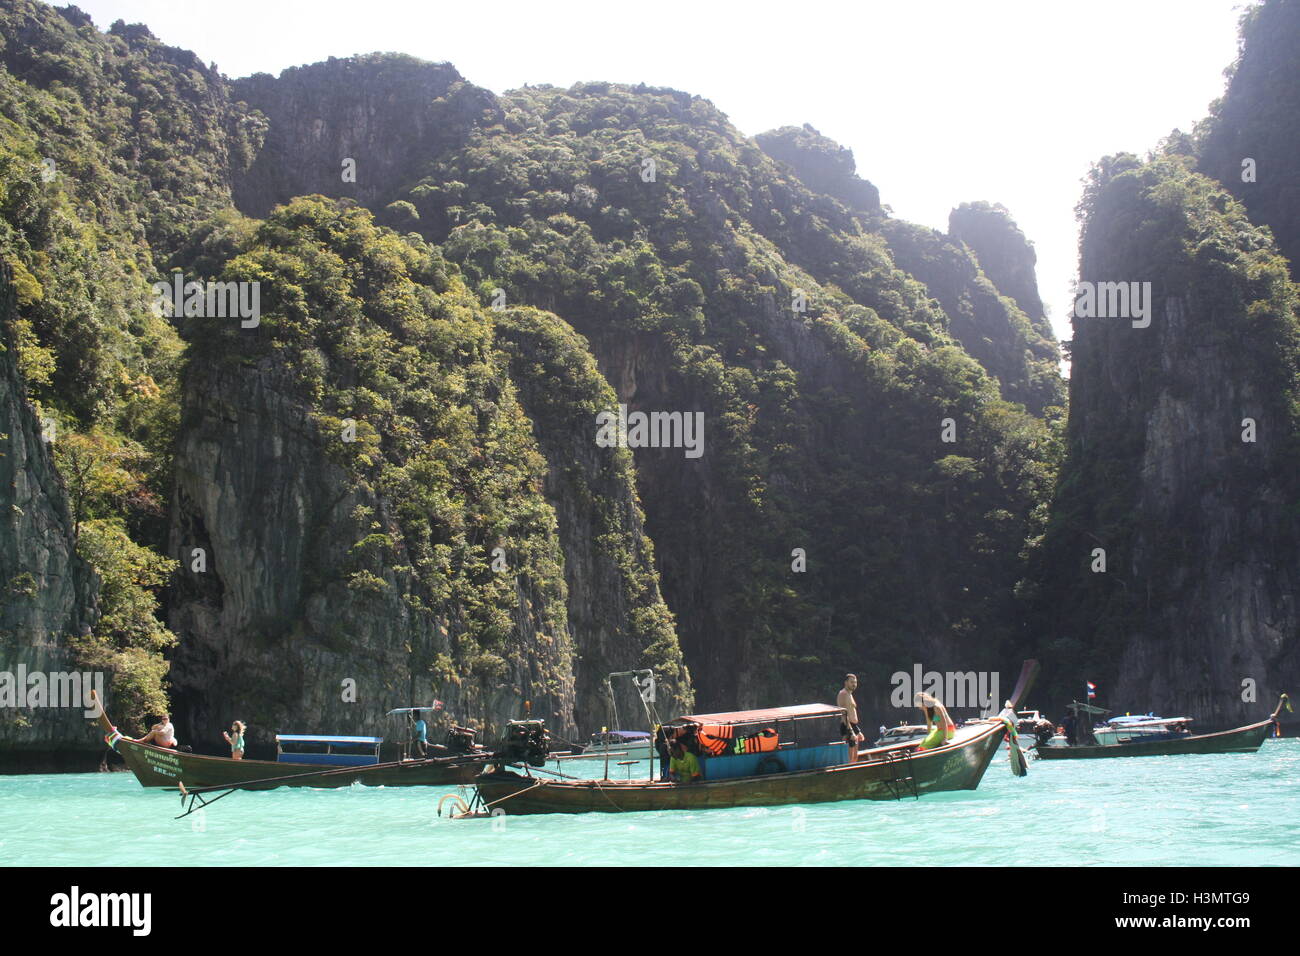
(164, 767)
(1239, 740)
(892, 773)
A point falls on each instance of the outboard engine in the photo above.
(460, 740)
(526, 741)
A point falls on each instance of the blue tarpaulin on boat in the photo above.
(801, 758)
(331, 760)
(309, 739)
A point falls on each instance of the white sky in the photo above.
(941, 101)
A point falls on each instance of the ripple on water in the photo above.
(1231, 809)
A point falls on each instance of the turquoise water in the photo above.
(1236, 809)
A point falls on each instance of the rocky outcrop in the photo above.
(359, 127)
(1183, 472)
(990, 326)
(47, 592)
(823, 164)
(1251, 141)
(617, 618)
(273, 629)
(1007, 259)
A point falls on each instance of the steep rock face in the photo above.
(1007, 259)
(271, 629)
(823, 164)
(389, 114)
(990, 326)
(1199, 524)
(396, 116)
(1018, 349)
(361, 480)
(816, 532)
(47, 592)
(617, 617)
(1258, 119)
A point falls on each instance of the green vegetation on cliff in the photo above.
(442, 333)
(1191, 502)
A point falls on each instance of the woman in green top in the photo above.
(236, 740)
(937, 721)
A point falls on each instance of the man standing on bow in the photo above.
(852, 732)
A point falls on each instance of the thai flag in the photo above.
(1092, 690)
(437, 705)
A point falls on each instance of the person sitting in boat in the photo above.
(684, 767)
(235, 737)
(162, 734)
(939, 725)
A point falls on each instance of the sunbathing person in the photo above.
(162, 734)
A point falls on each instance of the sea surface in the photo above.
(1227, 810)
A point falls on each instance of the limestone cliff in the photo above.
(823, 164)
(47, 592)
(359, 127)
(1182, 472)
(1007, 259)
(617, 616)
(989, 323)
(1251, 140)
(370, 528)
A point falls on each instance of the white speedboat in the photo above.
(1141, 729)
(902, 734)
(633, 744)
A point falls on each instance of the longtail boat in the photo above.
(155, 766)
(887, 773)
(782, 755)
(1245, 739)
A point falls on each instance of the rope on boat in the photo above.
(607, 797)
(535, 783)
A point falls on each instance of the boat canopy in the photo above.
(750, 732)
(758, 716)
(1146, 719)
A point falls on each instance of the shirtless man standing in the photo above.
(852, 732)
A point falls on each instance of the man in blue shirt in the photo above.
(421, 735)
